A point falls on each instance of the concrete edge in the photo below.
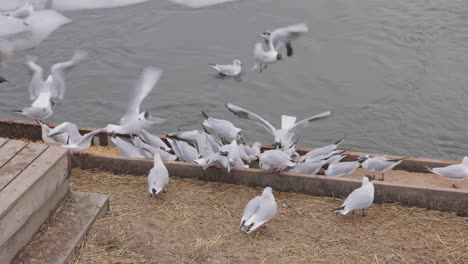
(442, 199)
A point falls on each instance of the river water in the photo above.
(395, 73)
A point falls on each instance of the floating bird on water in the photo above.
(133, 120)
(455, 172)
(361, 198)
(233, 69)
(23, 12)
(283, 36)
(258, 211)
(158, 177)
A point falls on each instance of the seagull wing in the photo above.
(307, 121)
(246, 114)
(284, 35)
(149, 77)
(251, 207)
(37, 80)
(67, 127)
(61, 69)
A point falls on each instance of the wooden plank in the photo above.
(22, 237)
(9, 150)
(66, 229)
(3, 141)
(26, 194)
(443, 199)
(19, 163)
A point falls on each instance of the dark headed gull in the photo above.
(133, 120)
(44, 94)
(283, 36)
(455, 172)
(316, 153)
(258, 211)
(84, 143)
(263, 58)
(233, 69)
(380, 164)
(219, 159)
(126, 149)
(361, 198)
(60, 138)
(158, 177)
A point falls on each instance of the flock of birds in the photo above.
(220, 143)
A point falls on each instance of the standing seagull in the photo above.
(283, 36)
(6, 51)
(44, 94)
(133, 120)
(284, 136)
(233, 69)
(455, 172)
(158, 177)
(361, 198)
(339, 169)
(380, 164)
(23, 12)
(263, 58)
(258, 211)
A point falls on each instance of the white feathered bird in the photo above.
(233, 69)
(275, 161)
(258, 211)
(134, 121)
(455, 172)
(158, 177)
(361, 198)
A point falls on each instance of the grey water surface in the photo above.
(395, 73)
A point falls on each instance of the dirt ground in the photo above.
(400, 176)
(197, 222)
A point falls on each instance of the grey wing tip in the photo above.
(338, 209)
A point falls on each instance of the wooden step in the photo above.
(60, 236)
(31, 175)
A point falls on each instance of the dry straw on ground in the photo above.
(197, 222)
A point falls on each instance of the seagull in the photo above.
(184, 150)
(6, 51)
(258, 211)
(149, 151)
(224, 129)
(263, 58)
(234, 155)
(283, 36)
(233, 69)
(205, 143)
(380, 164)
(126, 149)
(158, 177)
(284, 136)
(133, 120)
(250, 153)
(275, 160)
(60, 138)
(23, 12)
(44, 94)
(308, 166)
(66, 128)
(318, 153)
(153, 140)
(361, 198)
(455, 172)
(219, 159)
(83, 143)
(339, 169)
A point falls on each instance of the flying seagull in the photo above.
(283, 36)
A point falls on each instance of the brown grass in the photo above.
(197, 222)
